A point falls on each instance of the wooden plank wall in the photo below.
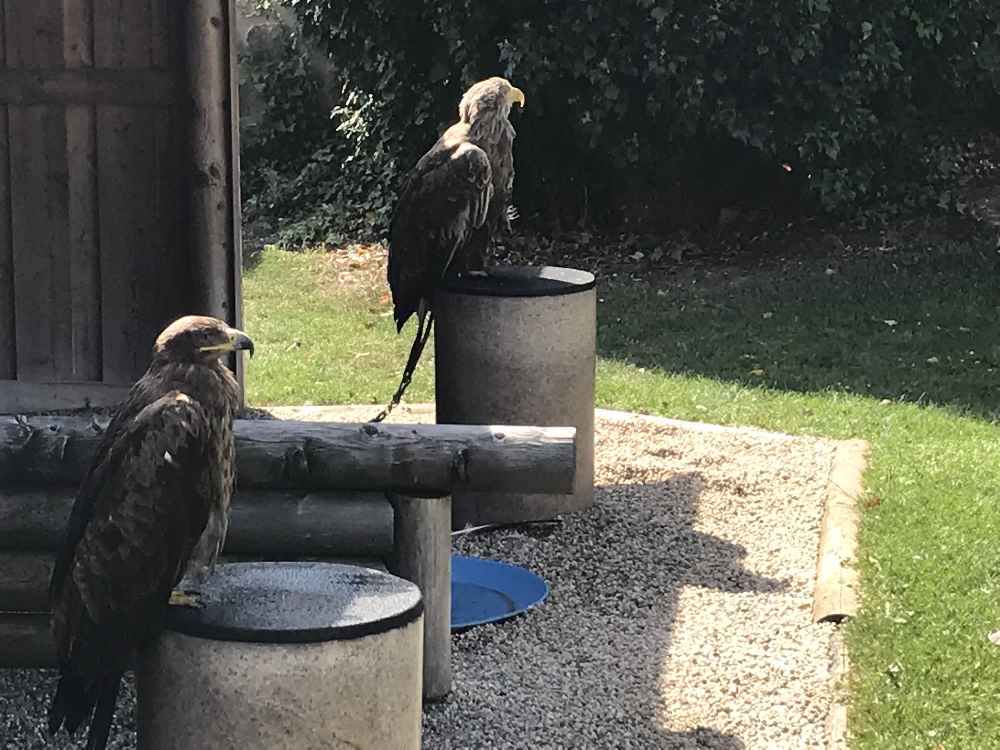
(8, 352)
(94, 127)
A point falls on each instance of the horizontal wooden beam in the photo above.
(26, 641)
(24, 580)
(262, 522)
(414, 459)
(17, 397)
(126, 87)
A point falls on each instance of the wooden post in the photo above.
(214, 233)
(422, 530)
(234, 177)
(26, 641)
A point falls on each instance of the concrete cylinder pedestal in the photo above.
(287, 656)
(518, 347)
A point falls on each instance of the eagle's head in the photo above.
(492, 97)
(198, 339)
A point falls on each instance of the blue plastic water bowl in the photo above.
(485, 591)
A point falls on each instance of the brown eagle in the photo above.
(153, 506)
(451, 206)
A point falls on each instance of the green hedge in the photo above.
(309, 175)
(671, 110)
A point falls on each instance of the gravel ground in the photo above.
(679, 615)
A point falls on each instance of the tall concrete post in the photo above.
(519, 347)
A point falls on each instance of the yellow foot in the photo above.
(185, 599)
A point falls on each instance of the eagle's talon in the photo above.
(190, 599)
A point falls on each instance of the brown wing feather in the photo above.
(146, 512)
(444, 198)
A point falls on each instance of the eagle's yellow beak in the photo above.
(515, 95)
(237, 341)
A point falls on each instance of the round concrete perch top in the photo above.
(287, 656)
(297, 602)
(523, 281)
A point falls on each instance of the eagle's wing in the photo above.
(83, 508)
(503, 181)
(443, 200)
(149, 505)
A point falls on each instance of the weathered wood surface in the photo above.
(81, 152)
(18, 398)
(135, 88)
(262, 522)
(236, 212)
(25, 641)
(211, 211)
(423, 555)
(315, 455)
(95, 153)
(836, 594)
(39, 200)
(8, 349)
(24, 581)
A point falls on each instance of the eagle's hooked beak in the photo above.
(241, 341)
(515, 95)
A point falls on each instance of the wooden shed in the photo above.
(119, 189)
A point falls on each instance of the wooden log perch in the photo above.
(262, 522)
(24, 581)
(26, 641)
(406, 458)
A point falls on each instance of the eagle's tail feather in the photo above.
(416, 349)
(70, 705)
(100, 726)
(74, 702)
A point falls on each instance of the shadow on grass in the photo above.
(603, 636)
(921, 325)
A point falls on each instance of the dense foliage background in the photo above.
(648, 113)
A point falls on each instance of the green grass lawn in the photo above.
(901, 349)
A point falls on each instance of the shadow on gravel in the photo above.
(583, 670)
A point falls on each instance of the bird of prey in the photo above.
(153, 507)
(451, 206)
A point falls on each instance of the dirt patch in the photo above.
(355, 269)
